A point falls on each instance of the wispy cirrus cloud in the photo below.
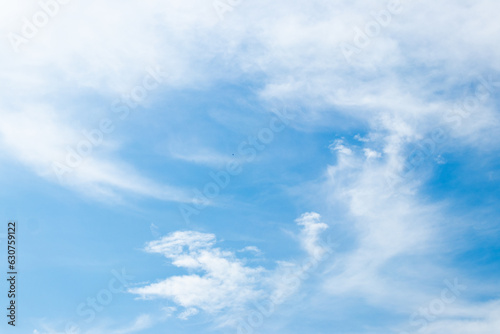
(39, 138)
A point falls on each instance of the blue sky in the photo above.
(252, 167)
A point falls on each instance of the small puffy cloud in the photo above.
(338, 146)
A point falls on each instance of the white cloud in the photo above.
(252, 249)
(188, 313)
(371, 154)
(388, 221)
(461, 318)
(311, 230)
(338, 145)
(39, 138)
(225, 283)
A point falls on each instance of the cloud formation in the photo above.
(225, 282)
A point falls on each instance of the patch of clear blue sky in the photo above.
(469, 184)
